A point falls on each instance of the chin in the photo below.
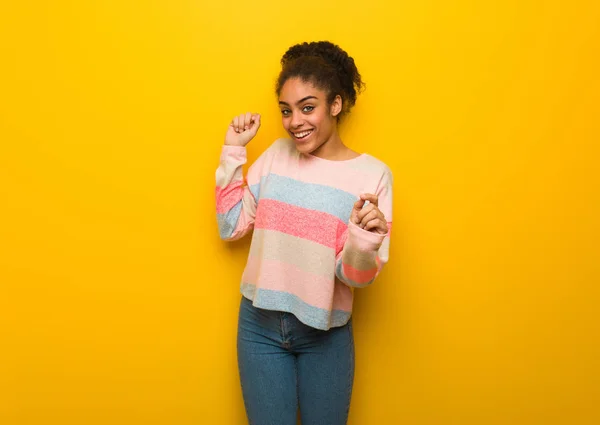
(308, 147)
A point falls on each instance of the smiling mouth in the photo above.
(301, 135)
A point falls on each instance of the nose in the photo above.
(296, 120)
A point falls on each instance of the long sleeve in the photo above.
(236, 199)
(364, 253)
(305, 257)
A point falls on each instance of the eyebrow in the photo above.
(300, 101)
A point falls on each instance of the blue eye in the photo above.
(308, 108)
(285, 112)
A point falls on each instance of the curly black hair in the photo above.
(325, 65)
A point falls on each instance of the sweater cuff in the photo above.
(235, 152)
(363, 240)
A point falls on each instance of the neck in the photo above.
(334, 149)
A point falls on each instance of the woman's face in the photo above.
(305, 114)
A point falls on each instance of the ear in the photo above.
(336, 106)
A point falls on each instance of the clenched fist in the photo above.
(242, 129)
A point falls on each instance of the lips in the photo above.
(302, 135)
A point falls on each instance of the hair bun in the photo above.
(334, 56)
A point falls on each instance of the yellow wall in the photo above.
(118, 301)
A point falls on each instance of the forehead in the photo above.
(295, 89)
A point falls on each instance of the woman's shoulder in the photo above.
(374, 165)
(277, 150)
(283, 151)
(281, 145)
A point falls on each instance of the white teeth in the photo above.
(302, 134)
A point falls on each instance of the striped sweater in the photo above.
(306, 257)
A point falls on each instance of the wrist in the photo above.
(364, 240)
(234, 144)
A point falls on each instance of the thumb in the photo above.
(358, 205)
(255, 123)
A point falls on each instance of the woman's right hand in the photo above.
(242, 129)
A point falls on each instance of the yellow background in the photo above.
(118, 301)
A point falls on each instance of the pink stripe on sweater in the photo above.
(314, 290)
(341, 240)
(315, 226)
(359, 276)
(228, 196)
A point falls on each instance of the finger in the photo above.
(379, 225)
(373, 199)
(372, 216)
(365, 210)
(358, 205)
(378, 211)
(247, 119)
(241, 120)
(235, 123)
(355, 210)
(254, 120)
(255, 123)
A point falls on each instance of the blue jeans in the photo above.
(285, 365)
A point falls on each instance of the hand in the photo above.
(242, 129)
(370, 217)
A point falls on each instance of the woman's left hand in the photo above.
(370, 217)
